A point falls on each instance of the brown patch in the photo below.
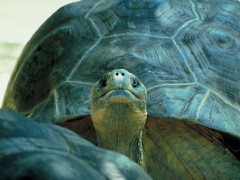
(175, 149)
(171, 125)
(139, 117)
(83, 127)
(99, 115)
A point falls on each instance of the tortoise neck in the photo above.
(123, 142)
(120, 129)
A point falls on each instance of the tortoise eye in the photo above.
(103, 82)
(135, 83)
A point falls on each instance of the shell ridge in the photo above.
(187, 22)
(135, 34)
(223, 98)
(194, 9)
(184, 58)
(91, 20)
(82, 58)
(183, 26)
(174, 84)
(56, 103)
(93, 8)
(202, 103)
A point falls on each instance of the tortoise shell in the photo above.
(186, 53)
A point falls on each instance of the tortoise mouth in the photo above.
(120, 92)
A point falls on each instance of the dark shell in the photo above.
(186, 53)
(31, 150)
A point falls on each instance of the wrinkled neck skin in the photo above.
(119, 128)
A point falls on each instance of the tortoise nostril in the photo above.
(120, 74)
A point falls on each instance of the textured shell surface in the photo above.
(186, 53)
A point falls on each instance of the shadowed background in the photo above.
(19, 20)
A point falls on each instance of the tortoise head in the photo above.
(118, 109)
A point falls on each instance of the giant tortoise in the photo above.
(186, 54)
